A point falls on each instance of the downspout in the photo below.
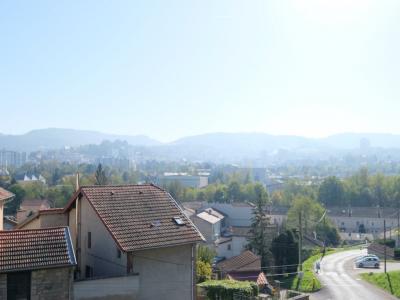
(193, 271)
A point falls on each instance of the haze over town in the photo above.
(199, 150)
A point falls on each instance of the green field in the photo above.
(389, 281)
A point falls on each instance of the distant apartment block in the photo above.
(12, 158)
(194, 181)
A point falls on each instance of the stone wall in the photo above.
(50, 284)
(46, 284)
(3, 286)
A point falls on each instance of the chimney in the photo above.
(77, 182)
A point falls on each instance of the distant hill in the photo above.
(214, 146)
(55, 138)
(268, 141)
(352, 140)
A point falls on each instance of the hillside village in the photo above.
(136, 241)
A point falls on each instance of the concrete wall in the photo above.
(165, 273)
(278, 219)
(372, 225)
(233, 248)
(46, 284)
(53, 220)
(116, 288)
(34, 224)
(72, 226)
(102, 256)
(237, 214)
(205, 228)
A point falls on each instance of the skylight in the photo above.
(156, 223)
(179, 221)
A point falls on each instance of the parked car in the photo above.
(368, 262)
(364, 256)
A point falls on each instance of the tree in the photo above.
(12, 206)
(203, 271)
(258, 242)
(310, 210)
(219, 195)
(100, 175)
(233, 192)
(204, 260)
(205, 254)
(331, 192)
(311, 214)
(284, 249)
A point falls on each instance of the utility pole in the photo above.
(398, 226)
(384, 242)
(300, 243)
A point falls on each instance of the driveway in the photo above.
(340, 279)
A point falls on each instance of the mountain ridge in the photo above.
(247, 142)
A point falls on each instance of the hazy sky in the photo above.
(173, 68)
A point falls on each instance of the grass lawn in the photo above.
(389, 281)
(310, 282)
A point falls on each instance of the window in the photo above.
(179, 221)
(118, 253)
(89, 240)
(19, 285)
(229, 247)
(88, 271)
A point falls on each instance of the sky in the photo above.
(169, 69)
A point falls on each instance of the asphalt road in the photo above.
(340, 279)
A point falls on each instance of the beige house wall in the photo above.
(1, 215)
(165, 273)
(102, 256)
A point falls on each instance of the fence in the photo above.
(125, 287)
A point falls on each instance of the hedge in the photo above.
(225, 289)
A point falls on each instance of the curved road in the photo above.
(341, 281)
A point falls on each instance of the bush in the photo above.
(397, 253)
(389, 242)
(226, 289)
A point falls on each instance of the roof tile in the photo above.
(35, 249)
(141, 216)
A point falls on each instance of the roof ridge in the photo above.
(33, 229)
(117, 185)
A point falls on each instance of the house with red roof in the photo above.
(134, 230)
(36, 264)
(243, 267)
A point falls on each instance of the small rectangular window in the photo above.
(118, 253)
(89, 240)
(229, 247)
(88, 271)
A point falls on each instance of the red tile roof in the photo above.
(247, 261)
(34, 204)
(4, 194)
(37, 214)
(140, 216)
(35, 249)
